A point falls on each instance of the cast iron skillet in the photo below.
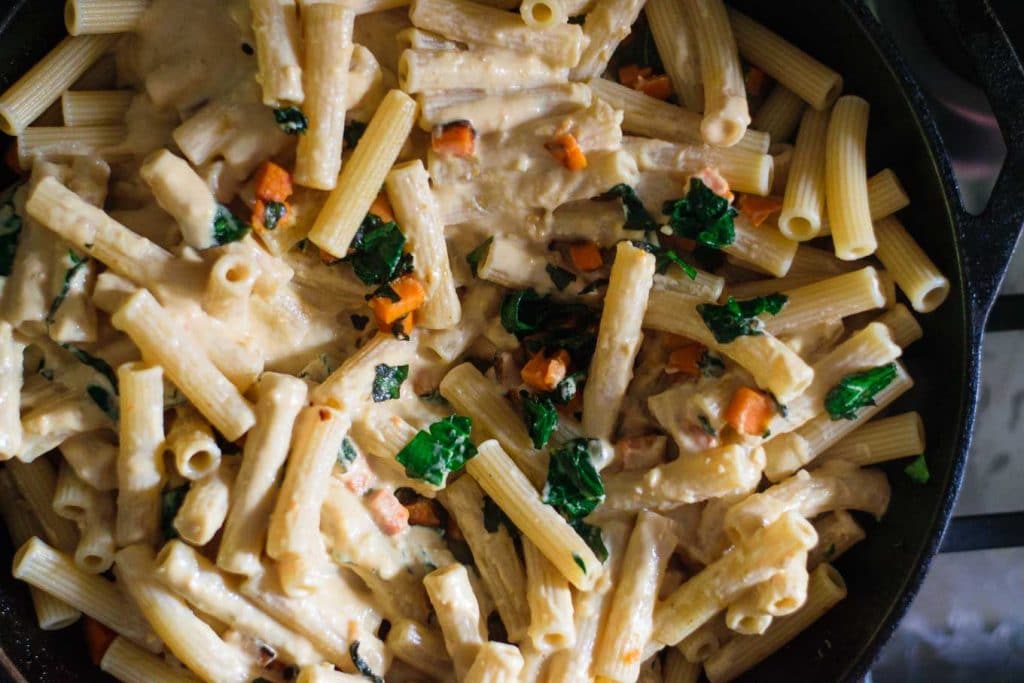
(885, 571)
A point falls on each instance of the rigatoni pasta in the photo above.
(404, 368)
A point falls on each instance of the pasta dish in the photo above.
(477, 341)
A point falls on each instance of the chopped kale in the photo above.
(547, 325)
(353, 133)
(918, 470)
(273, 212)
(541, 418)
(361, 665)
(444, 447)
(560, 277)
(665, 258)
(579, 562)
(710, 365)
(359, 321)
(495, 516)
(574, 486)
(474, 257)
(705, 424)
(227, 227)
(522, 311)
(170, 503)
(702, 216)
(637, 217)
(291, 120)
(592, 536)
(739, 318)
(347, 453)
(77, 263)
(10, 229)
(378, 255)
(98, 364)
(858, 390)
(566, 390)
(387, 381)
(106, 400)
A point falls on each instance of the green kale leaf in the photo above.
(273, 212)
(637, 217)
(77, 263)
(540, 416)
(857, 391)
(918, 470)
(170, 503)
(663, 258)
(291, 120)
(547, 325)
(347, 453)
(710, 365)
(592, 536)
(106, 400)
(739, 318)
(574, 486)
(387, 381)
(702, 216)
(566, 390)
(444, 447)
(475, 257)
(227, 227)
(495, 516)
(378, 252)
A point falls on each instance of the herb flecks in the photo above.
(858, 390)
(739, 318)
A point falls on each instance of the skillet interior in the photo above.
(883, 572)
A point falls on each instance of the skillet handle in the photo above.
(988, 240)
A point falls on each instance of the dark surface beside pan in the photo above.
(883, 572)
